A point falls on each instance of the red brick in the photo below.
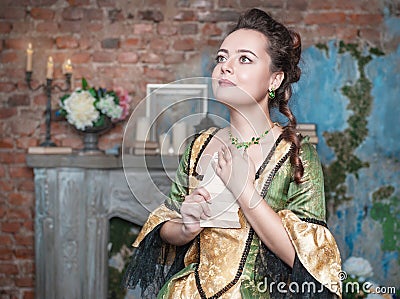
(26, 142)
(130, 43)
(6, 281)
(150, 58)
(6, 143)
(42, 2)
(19, 199)
(10, 227)
(184, 44)
(16, 43)
(166, 29)
(5, 27)
(8, 158)
(78, 2)
(297, 5)
(80, 57)
(93, 14)
(24, 253)
(6, 253)
(173, 58)
(103, 57)
(317, 5)
(373, 34)
(8, 268)
(325, 18)
(7, 86)
(188, 28)
(72, 142)
(24, 240)
(18, 100)
(20, 172)
(140, 29)
(211, 29)
(26, 128)
(156, 73)
(8, 57)
(15, 13)
(5, 240)
(159, 45)
(29, 225)
(185, 15)
(19, 213)
(21, 27)
(28, 294)
(66, 42)
(72, 13)
(106, 3)
(128, 57)
(24, 282)
(3, 210)
(42, 13)
(70, 26)
(366, 19)
(2, 172)
(6, 186)
(47, 27)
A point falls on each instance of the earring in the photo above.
(271, 93)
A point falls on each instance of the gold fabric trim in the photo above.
(316, 249)
(159, 215)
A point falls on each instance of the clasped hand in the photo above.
(237, 171)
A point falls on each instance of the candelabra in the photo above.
(48, 87)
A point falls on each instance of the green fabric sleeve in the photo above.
(179, 188)
(307, 199)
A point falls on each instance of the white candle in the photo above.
(29, 53)
(178, 137)
(50, 68)
(142, 128)
(67, 67)
(165, 143)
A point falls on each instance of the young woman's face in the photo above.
(242, 74)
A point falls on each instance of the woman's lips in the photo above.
(225, 83)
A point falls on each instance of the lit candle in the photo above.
(50, 68)
(67, 67)
(29, 53)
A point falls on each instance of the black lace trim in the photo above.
(268, 158)
(206, 142)
(315, 221)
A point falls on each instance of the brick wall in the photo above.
(121, 43)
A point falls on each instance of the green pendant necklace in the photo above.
(246, 144)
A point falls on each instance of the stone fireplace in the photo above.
(76, 196)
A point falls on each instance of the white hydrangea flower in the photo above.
(108, 107)
(357, 266)
(80, 109)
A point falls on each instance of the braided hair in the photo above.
(284, 48)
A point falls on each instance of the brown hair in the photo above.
(284, 48)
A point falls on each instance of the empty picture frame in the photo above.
(169, 104)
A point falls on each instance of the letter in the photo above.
(270, 287)
(296, 290)
(366, 287)
(265, 283)
(308, 284)
(281, 287)
(352, 284)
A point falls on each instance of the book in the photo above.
(49, 150)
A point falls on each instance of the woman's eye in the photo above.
(244, 59)
(220, 58)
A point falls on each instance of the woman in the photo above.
(282, 248)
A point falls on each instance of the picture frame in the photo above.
(169, 104)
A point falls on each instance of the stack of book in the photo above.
(308, 130)
(143, 148)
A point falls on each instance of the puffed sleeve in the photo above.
(304, 221)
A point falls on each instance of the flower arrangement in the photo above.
(90, 107)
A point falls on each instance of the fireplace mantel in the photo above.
(76, 196)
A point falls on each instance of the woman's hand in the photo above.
(236, 171)
(194, 208)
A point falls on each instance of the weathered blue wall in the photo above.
(366, 221)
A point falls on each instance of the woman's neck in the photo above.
(244, 126)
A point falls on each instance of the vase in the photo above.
(91, 138)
